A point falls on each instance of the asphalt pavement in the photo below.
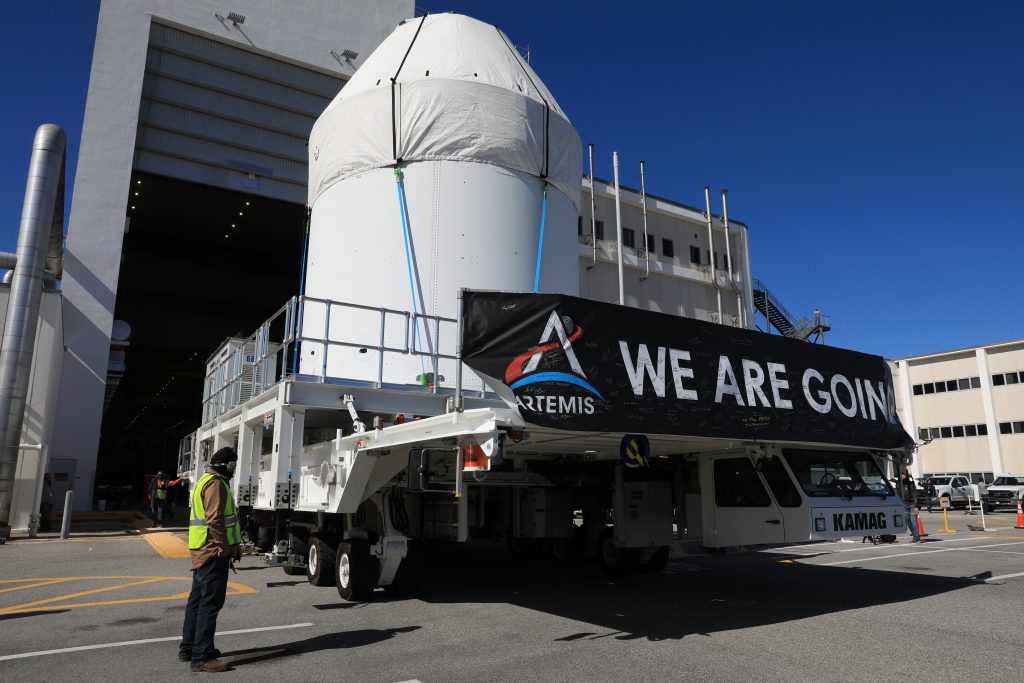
(945, 608)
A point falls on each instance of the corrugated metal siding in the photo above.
(215, 111)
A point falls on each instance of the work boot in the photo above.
(187, 656)
(211, 666)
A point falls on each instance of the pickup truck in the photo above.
(1005, 491)
(957, 487)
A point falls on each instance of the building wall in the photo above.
(970, 404)
(306, 34)
(38, 425)
(675, 284)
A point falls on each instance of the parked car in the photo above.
(1005, 491)
(957, 487)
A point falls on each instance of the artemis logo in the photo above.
(522, 371)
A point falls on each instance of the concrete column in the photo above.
(909, 422)
(994, 450)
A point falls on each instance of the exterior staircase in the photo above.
(784, 322)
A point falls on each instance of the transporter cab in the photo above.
(555, 424)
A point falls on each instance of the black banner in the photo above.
(584, 365)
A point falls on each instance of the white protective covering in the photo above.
(463, 93)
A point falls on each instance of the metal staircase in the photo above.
(785, 322)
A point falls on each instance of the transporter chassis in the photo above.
(344, 480)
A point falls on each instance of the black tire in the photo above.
(409, 576)
(657, 561)
(355, 571)
(614, 559)
(320, 563)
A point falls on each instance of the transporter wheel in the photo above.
(657, 561)
(355, 570)
(320, 562)
(410, 572)
(613, 558)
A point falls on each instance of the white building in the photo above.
(966, 408)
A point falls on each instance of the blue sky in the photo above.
(874, 148)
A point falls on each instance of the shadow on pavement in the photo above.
(36, 613)
(327, 641)
(695, 594)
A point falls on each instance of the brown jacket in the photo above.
(214, 501)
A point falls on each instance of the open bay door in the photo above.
(739, 510)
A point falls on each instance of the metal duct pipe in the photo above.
(711, 250)
(8, 260)
(618, 227)
(44, 188)
(593, 210)
(728, 257)
(643, 203)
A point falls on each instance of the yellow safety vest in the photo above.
(197, 529)
(161, 489)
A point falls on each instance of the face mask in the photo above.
(226, 469)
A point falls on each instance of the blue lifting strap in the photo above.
(540, 242)
(408, 263)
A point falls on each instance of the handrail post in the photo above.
(458, 353)
(380, 349)
(327, 334)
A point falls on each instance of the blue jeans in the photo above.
(209, 586)
(911, 518)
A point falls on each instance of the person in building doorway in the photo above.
(908, 492)
(46, 504)
(214, 542)
(159, 499)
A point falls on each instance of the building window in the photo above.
(975, 383)
(982, 430)
(599, 229)
(971, 430)
(1011, 378)
(963, 384)
(922, 433)
(667, 249)
(725, 261)
(929, 388)
(918, 390)
(628, 238)
(951, 385)
(947, 432)
(1006, 428)
(1018, 427)
(579, 226)
(958, 431)
(940, 387)
(695, 255)
(650, 244)
(998, 380)
(936, 433)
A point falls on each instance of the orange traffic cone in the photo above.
(920, 528)
(1020, 517)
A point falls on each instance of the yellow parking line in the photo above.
(167, 545)
(54, 603)
(92, 591)
(37, 584)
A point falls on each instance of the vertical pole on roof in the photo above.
(728, 257)
(593, 212)
(618, 227)
(711, 250)
(643, 204)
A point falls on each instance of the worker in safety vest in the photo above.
(214, 538)
(159, 500)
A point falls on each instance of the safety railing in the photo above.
(299, 338)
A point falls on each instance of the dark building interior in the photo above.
(198, 265)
